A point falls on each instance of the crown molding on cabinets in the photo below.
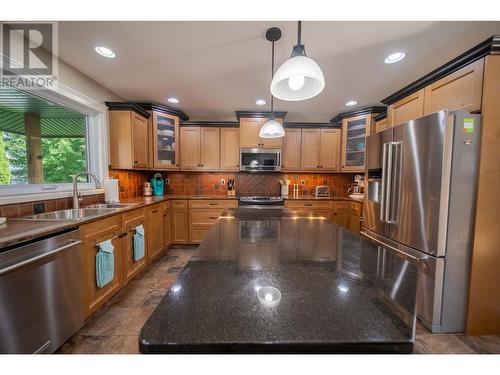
(357, 112)
(259, 114)
(210, 124)
(114, 106)
(381, 116)
(315, 125)
(490, 46)
(148, 106)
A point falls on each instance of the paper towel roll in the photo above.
(111, 190)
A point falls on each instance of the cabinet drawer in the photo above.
(324, 204)
(222, 203)
(129, 219)
(204, 216)
(100, 228)
(179, 203)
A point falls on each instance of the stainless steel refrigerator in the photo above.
(420, 201)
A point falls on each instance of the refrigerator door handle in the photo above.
(388, 183)
(415, 258)
(383, 182)
(394, 191)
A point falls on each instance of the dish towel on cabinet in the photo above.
(138, 243)
(104, 263)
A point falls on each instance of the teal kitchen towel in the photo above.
(139, 243)
(104, 263)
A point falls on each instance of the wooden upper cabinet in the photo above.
(209, 145)
(311, 139)
(140, 140)
(229, 149)
(199, 148)
(406, 109)
(165, 134)
(128, 139)
(329, 150)
(459, 90)
(291, 155)
(354, 131)
(381, 125)
(249, 134)
(190, 148)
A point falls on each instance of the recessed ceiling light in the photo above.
(106, 52)
(173, 100)
(260, 102)
(394, 57)
(350, 103)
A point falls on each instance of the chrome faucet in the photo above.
(77, 196)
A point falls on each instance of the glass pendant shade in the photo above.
(272, 129)
(299, 78)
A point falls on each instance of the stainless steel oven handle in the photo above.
(382, 187)
(386, 246)
(34, 259)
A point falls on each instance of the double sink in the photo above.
(79, 214)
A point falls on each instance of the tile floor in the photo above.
(115, 327)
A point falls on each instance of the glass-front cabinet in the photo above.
(165, 141)
(354, 132)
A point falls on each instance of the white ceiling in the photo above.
(215, 68)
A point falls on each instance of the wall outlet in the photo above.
(167, 181)
(222, 181)
(302, 182)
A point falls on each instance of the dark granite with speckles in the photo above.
(339, 292)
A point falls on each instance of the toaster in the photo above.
(322, 191)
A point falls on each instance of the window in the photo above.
(41, 142)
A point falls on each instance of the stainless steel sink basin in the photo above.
(112, 205)
(69, 215)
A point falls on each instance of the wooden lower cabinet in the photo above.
(355, 214)
(203, 214)
(306, 207)
(180, 221)
(130, 221)
(166, 237)
(92, 234)
(155, 230)
(341, 213)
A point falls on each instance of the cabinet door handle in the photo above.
(308, 204)
(213, 204)
(214, 217)
(154, 211)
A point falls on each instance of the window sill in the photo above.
(42, 196)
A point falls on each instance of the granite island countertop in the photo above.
(334, 298)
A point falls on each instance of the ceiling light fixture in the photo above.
(395, 57)
(106, 52)
(300, 77)
(260, 102)
(173, 100)
(272, 128)
(350, 103)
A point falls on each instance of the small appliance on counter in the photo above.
(356, 191)
(111, 190)
(146, 189)
(322, 191)
(231, 188)
(284, 186)
(157, 184)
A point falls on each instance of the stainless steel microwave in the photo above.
(260, 159)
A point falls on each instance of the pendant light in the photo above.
(300, 77)
(272, 128)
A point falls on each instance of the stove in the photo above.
(261, 202)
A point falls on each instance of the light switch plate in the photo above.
(302, 182)
(167, 181)
(222, 181)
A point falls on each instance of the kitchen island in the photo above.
(277, 281)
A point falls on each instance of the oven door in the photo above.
(260, 160)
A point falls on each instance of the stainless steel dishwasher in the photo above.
(40, 294)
